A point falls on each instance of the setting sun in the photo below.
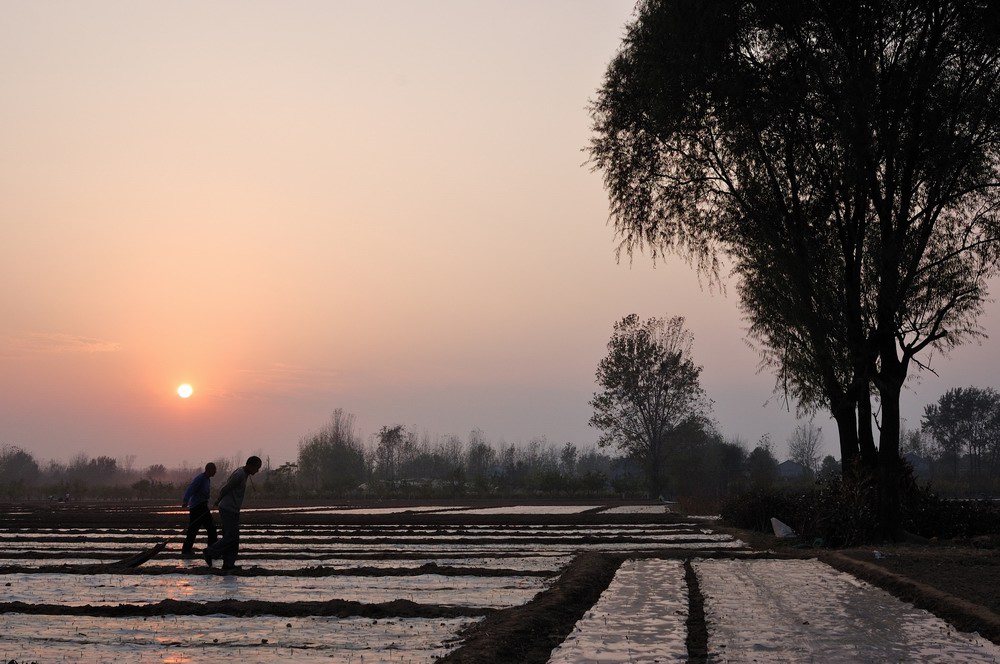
(184, 391)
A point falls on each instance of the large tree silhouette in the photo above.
(843, 157)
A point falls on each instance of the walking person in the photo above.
(229, 502)
(196, 500)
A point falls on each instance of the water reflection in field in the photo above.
(502, 564)
(26, 638)
(140, 589)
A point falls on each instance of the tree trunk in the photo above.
(890, 385)
(866, 439)
(654, 462)
(847, 428)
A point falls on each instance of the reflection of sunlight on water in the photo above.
(231, 587)
(178, 588)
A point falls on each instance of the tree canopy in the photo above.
(650, 398)
(965, 424)
(842, 157)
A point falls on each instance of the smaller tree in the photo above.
(156, 471)
(18, 471)
(762, 467)
(389, 450)
(281, 481)
(332, 460)
(651, 398)
(480, 458)
(567, 458)
(965, 424)
(830, 469)
(804, 445)
(914, 441)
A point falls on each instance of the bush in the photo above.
(933, 516)
(753, 510)
(842, 511)
(834, 513)
(698, 505)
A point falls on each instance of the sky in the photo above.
(296, 207)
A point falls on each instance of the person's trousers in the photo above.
(201, 517)
(228, 546)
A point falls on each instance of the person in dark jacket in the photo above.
(196, 500)
(229, 502)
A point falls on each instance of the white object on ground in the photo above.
(781, 529)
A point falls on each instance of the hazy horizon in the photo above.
(378, 207)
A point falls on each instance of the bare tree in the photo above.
(332, 459)
(804, 445)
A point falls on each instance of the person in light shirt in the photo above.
(229, 502)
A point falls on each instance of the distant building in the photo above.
(792, 470)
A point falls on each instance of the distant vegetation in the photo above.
(956, 453)
(948, 488)
(334, 462)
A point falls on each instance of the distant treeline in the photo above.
(957, 450)
(334, 462)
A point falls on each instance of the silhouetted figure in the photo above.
(196, 499)
(229, 502)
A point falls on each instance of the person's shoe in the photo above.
(208, 558)
(187, 554)
(231, 568)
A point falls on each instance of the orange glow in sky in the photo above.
(380, 207)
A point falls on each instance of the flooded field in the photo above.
(368, 584)
(502, 583)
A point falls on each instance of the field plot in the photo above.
(639, 618)
(758, 610)
(221, 638)
(805, 611)
(357, 584)
(139, 589)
